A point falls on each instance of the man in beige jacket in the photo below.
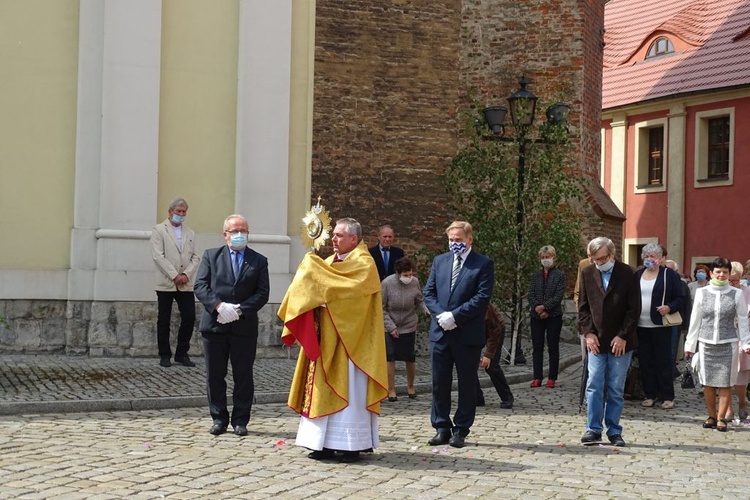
(173, 248)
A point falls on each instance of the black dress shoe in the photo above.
(217, 429)
(457, 441)
(506, 405)
(392, 399)
(240, 430)
(164, 361)
(480, 402)
(184, 361)
(441, 437)
(324, 454)
(617, 440)
(349, 457)
(591, 437)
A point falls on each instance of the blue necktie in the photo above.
(236, 264)
(456, 270)
(386, 257)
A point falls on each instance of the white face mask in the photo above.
(406, 279)
(547, 263)
(606, 267)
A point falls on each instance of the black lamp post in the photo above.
(522, 104)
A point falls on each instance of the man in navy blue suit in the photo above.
(457, 294)
(384, 253)
(232, 285)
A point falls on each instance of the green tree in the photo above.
(484, 184)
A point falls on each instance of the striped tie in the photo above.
(456, 270)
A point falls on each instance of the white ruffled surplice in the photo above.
(352, 429)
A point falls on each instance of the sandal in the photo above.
(710, 423)
(722, 428)
(648, 403)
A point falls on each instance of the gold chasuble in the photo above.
(350, 327)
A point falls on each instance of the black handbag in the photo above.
(686, 379)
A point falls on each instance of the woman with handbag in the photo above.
(662, 297)
(718, 322)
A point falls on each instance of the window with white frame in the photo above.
(650, 155)
(714, 147)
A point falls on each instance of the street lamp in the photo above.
(522, 105)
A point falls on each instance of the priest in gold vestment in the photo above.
(333, 309)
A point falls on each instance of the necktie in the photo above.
(236, 264)
(456, 270)
(386, 257)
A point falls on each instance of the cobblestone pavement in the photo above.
(532, 451)
(57, 383)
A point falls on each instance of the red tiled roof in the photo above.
(716, 53)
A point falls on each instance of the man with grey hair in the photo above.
(232, 285)
(176, 261)
(609, 305)
(333, 309)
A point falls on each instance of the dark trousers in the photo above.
(551, 327)
(498, 380)
(655, 362)
(445, 354)
(186, 305)
(218, 349)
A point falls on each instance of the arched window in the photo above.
(660, 47)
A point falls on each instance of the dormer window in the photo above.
(660, 47)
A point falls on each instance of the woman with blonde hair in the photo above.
(545, 303)
(743, 365)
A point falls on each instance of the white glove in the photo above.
(227, 313)
(446, 321)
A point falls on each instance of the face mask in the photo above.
(457, 247)
(745, 282)
(651, 263)
(716, 282)
(238, 240)
(547, 263)
(178, 219)
(700, 276)
(606, 267)
(406, 279)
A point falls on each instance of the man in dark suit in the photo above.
(609, 304)
(457, 294)
(232, 285)
(384, 254)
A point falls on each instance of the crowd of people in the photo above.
(335, 309)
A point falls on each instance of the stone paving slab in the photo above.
(63, 384)
(532, 451)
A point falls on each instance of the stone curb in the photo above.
(163, 403)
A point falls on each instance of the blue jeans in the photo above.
(606, 379)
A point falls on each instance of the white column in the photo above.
(263, 95)
(618, 160)
(88, 150)
(130, 87)
(676, 185)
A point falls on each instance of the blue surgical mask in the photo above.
(178, 219)
(651, 263)
(701, 276)
(745, 282)
(238, 240)
(457, 247)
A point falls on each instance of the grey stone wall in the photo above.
(106, 328)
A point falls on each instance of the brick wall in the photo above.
(392, 77)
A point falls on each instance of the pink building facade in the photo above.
(676, 126)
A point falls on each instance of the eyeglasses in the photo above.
(602, 260)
